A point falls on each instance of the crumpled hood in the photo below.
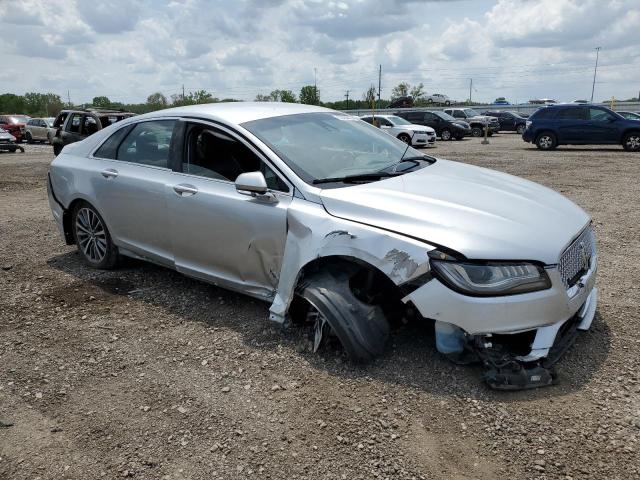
(478, 212)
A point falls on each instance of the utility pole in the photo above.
(379, 84)
(470, 88)
(347, 95)
(183, 92)
(595, 70)
(68, 98)
(315, 86)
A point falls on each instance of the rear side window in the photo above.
(109, 149)
(415, 116)
(543, 113)
(571, 114)
(148, 143)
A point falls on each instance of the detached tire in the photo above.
(631, 142)
(362, 329)
(546, 141)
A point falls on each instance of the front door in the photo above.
(219, 234)
(601, 127)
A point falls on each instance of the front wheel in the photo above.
(477, 131)
(405, 138)
(631, 142)
(92, 238)
(546, 141)
(445, 134)
(447, 103)
(520, 129)
(57, 148)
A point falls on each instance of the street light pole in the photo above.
(593, 87)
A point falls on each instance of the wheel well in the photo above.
(403, 134)
(627, 132)
(367, 282)
(66, 222)
(542, 132)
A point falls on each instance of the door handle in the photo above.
(109, 173)
(185, 190)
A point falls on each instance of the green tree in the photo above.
(157, 100)
(309, 95)
(102, 102)
(262, 98)
(287, 96)
(400, 90)
(417, 91)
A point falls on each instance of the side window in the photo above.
(148, 143)
(599, 115)
(571, 114)
(213, 154)
(543, 114)
(385, 123)
(74, 123)
(368, 120)
(109, 149)
(415, 117)
(430, 117)
(89, 125)
(458, 114)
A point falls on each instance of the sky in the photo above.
(127, 49)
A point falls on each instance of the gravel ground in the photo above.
(144, 373)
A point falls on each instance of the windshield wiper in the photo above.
(361, 177)
(413, 160)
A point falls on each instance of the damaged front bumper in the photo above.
(518, 338)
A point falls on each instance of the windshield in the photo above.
(471, 112)
(444, 116)
(397, 120)
(327, 145)
(20, 118)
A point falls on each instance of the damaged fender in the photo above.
(312, 234)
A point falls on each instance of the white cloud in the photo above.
(511, 48)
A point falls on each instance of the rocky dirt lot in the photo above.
(144, 373)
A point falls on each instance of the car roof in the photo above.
(238, 112)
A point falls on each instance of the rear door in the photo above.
(71, 131)
(571, 123)
(219, 234)
(131, 178)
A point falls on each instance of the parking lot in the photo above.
(144, 373)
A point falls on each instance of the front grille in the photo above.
(577, 258)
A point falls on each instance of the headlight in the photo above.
(491, 278)
(528, 123)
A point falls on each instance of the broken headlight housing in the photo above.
(490, 279)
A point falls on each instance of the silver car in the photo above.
(40, 130)
(339, 225)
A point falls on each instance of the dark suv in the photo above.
(509, 121)
(75, 125)
(446, 127)
(581, 125)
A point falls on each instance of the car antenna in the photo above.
(408, 145)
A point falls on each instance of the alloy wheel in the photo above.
(545, 141)
(633, 142)
(91, 235)
(445, 135)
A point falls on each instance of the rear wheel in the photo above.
(631, 142)
(92, 237)
(546, 141)
(335, 309)
(445, 134)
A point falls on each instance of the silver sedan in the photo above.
(340, 226)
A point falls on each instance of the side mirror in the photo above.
(252, 183)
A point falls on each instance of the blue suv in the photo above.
(581, 125)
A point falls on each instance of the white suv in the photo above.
(414, 135)
(438, 98)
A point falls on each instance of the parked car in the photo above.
(572, 124)
(438, 98)
(582, 102)
(338, 225)
(402, 102)
(445, 126)
(477, 121)
(415, 135)
(509, 121)
(7, 141)
(630, 115)
(39, 129)
(501, 101)
(74, 125)
(15, 125)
